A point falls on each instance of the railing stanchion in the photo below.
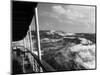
(38, 35)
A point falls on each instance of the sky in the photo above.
(66, 17)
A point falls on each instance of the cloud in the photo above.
(59, 9)
(76, 14)
(68, 12)
(73, 15)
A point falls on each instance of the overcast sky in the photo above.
(68, 18)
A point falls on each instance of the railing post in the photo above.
(23, 56)
(38, 35)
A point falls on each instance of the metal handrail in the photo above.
(44, 65)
